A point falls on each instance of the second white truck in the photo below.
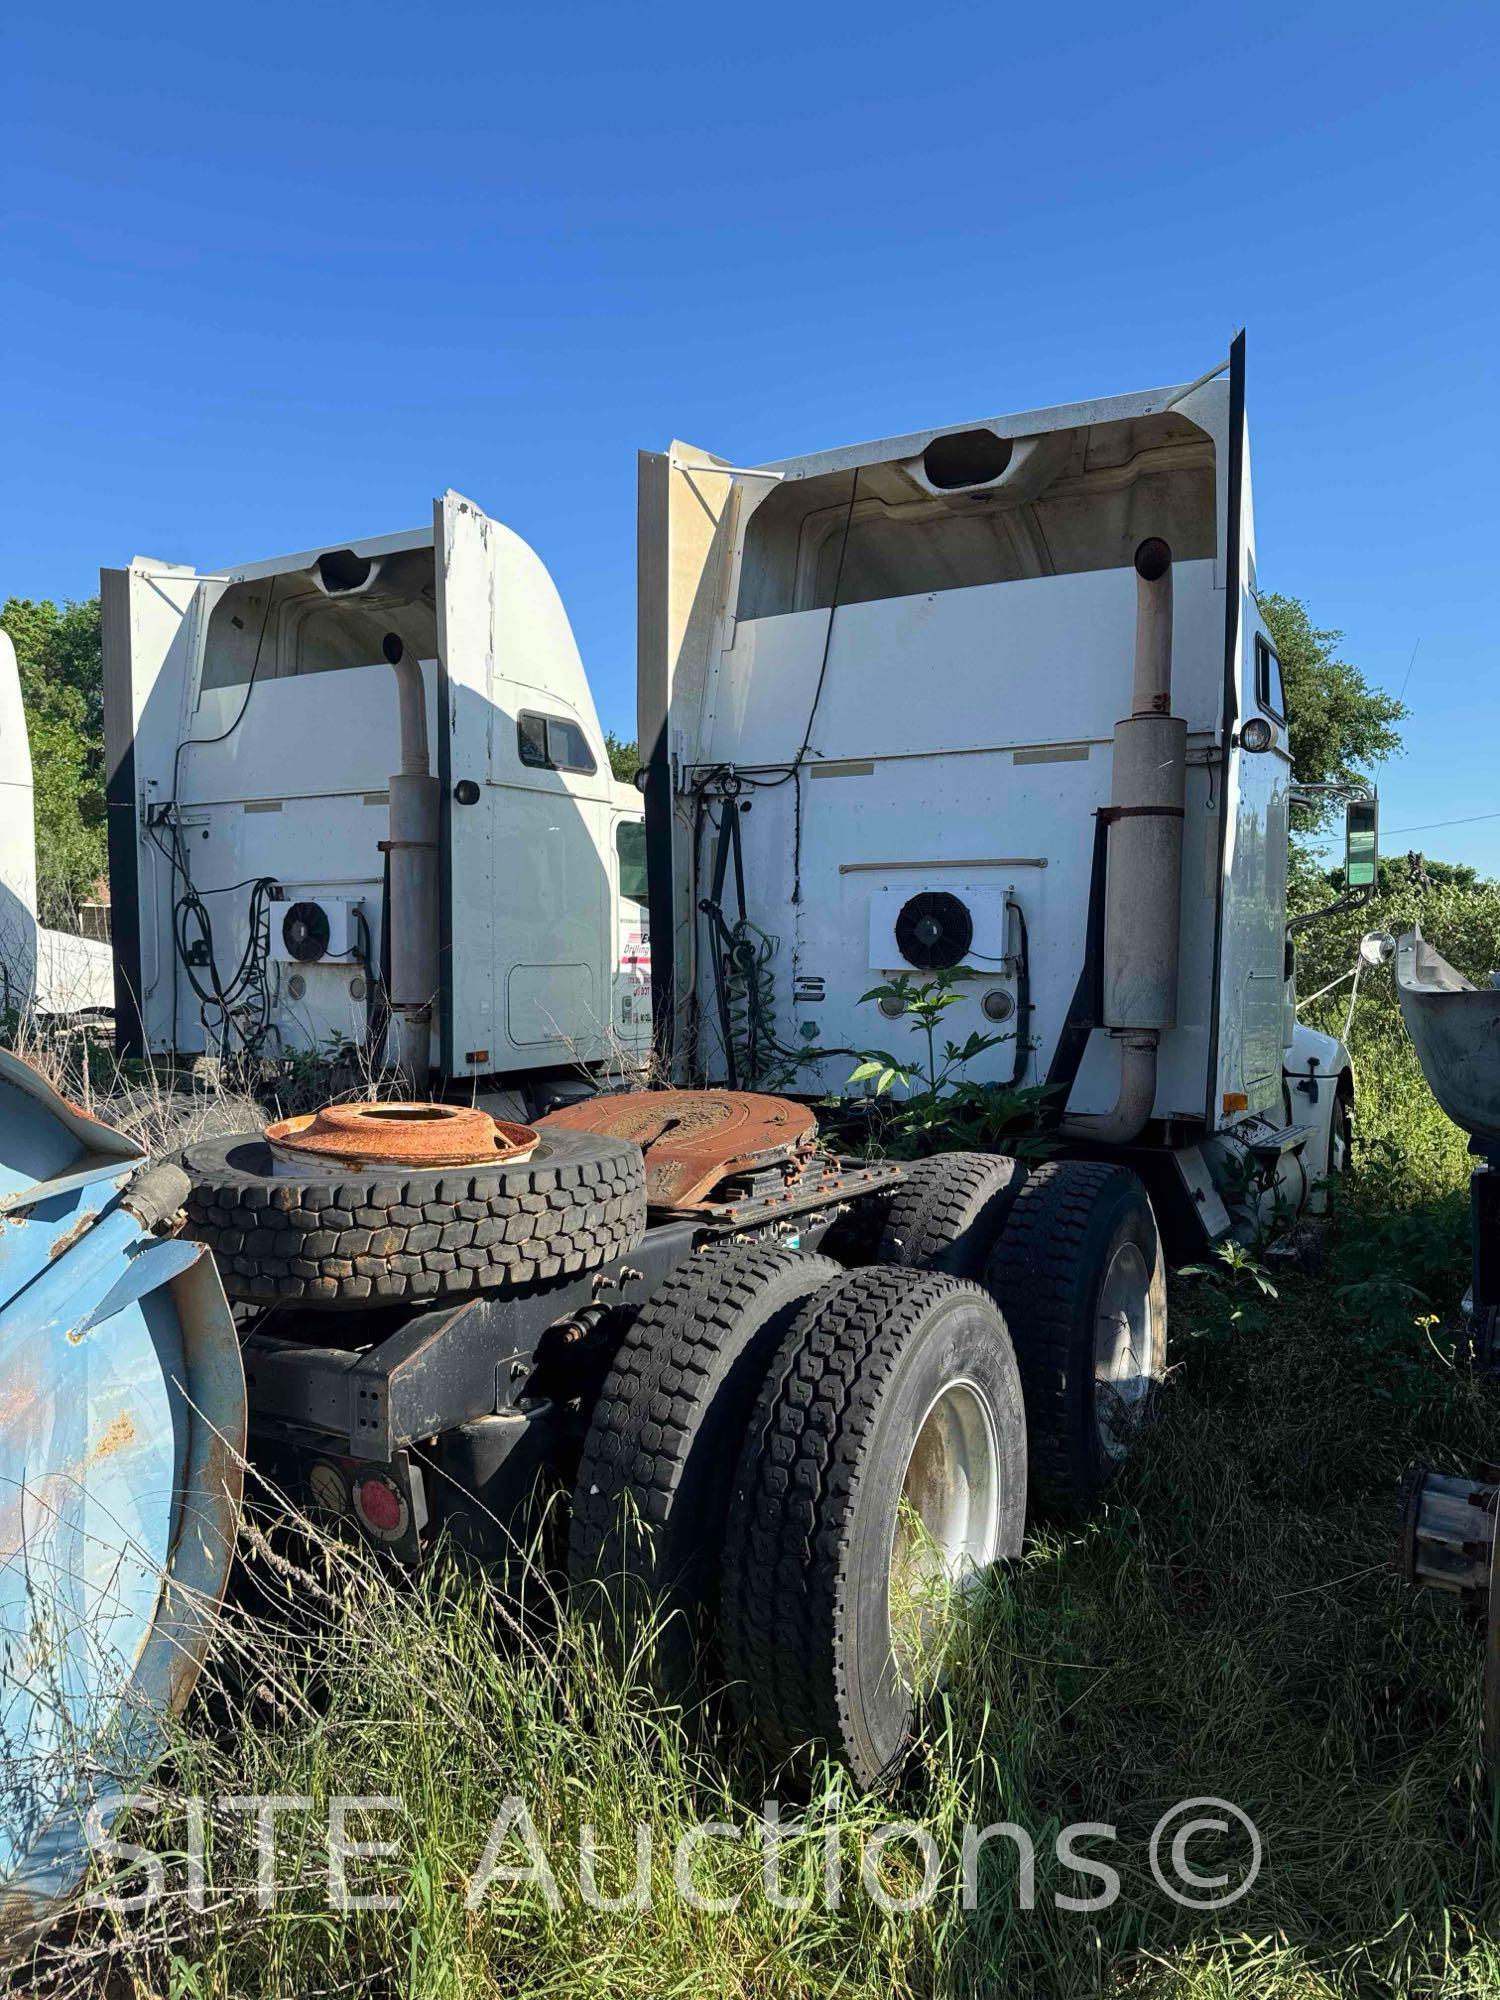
(361, 796)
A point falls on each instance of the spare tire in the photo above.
(412, 1233)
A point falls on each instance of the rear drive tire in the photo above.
(854, 1238)
(653, 1486)
(947, 1211)
(1080, 1276)
(891, 1386)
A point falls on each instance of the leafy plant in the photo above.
(942, 1109)
(1237, 1286)
(624, 757)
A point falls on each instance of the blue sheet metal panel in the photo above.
(122, 1415)
(58, 1167)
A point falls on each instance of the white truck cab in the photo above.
(253, 732)
(994, 700)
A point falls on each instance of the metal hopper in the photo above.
(122, 1425)
(1455, 1028)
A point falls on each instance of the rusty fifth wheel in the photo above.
(389, 1204)
(694, 1139)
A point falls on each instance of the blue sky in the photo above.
(276, 275)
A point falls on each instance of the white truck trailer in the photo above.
(42, 972)
(995, 698)
(361, 795)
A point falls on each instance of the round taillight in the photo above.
(327, 1488)
(381, 1505)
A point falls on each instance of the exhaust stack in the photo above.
(412, 850)
(1143, 880)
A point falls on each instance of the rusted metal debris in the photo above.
(399, 1134)
(693, 1139)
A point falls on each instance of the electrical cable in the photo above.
(833, 605)
(1431, 825)
(740, 959)
(732, 782)
(195, 742)
(249, 982)
(719, 771)
(241, 1004)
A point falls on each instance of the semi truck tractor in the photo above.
(360, 797)
(992, 702)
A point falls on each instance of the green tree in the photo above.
(624, 758)
(62, 686)
(1340, 726)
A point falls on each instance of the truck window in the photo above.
(630, 851)
(1268, 689)
(548, 743)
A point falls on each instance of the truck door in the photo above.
(1256, 821)
(526, 947)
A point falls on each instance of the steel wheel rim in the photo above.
(947, 1526)
(1124, 1349)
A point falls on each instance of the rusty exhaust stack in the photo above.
(1143, 881)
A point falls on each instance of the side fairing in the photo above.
(528, 950)
(151, 620)
(686, 523)
(1250, 971)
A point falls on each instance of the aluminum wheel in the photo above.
(947, 1527)
(1123, 1347)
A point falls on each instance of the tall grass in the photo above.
(1228, 1623)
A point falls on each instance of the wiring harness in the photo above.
(234, 1010)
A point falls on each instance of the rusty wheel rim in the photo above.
(406, 1134)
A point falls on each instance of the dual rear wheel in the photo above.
(796, 1473)
(1072, 1255)
(799, 1471)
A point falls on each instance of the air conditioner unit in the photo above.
(308, 926)
(930, 925)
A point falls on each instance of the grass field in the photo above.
(1228, 1624)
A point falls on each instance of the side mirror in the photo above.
(1377, 948)
(1362, 844)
